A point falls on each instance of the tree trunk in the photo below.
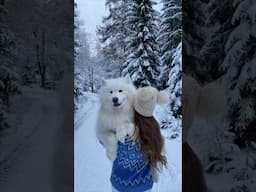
(38, 58)
(43, 65)
(40, 54)
(92, 81)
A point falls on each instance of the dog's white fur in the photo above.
(115, 122)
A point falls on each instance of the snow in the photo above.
(232, 167)
(23, 158)
(240, 174)
(93, 169)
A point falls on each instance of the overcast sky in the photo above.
(91, 13)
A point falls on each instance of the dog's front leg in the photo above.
(111, 148)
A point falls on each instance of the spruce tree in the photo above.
(112, 34)
(239, 67)
(169, 35)
(78, 79)
(193, 38)
(174, 83)
(142, 51)
(8, 74)
(217, 28)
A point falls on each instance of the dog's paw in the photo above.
(111, 154)
(121, 134)
(130, 129)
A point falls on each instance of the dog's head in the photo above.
(117, 94)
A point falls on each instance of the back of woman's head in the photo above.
(150, 139)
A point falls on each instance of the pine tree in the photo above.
(193, 38)
(169, 35)
(8, 74)
(88, 68)
(174, 82)
(217, 28)
(112, 34)
(239, 66)
(142, 51)
(78, 80)
(204, 35)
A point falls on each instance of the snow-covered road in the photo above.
(93, 169)
(30, 160)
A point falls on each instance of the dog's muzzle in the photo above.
(115, 102)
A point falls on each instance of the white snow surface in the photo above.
(93, 169)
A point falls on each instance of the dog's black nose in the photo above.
(115, 99)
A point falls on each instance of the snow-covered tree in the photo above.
(82, 56)
(112, 34)
(3, 51)
(42, 47)
(142, 51)
(239, 65)
(193, 21)
(88, 68)
(169, 38)
(173, 113)
(174, 83)
(169, 35)
(8, 72)
(216, 32)
(219, 41)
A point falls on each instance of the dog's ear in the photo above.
(128, 79)
(104, 82)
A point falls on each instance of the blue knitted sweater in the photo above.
(131, 171)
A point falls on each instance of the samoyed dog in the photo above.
(116, 113)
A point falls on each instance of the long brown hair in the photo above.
(150, 140)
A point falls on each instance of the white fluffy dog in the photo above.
(116, 113)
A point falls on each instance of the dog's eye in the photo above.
(110, 92)
(120, 91)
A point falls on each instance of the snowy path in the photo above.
(93, 169)
(27, 172)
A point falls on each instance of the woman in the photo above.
(140, 158)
